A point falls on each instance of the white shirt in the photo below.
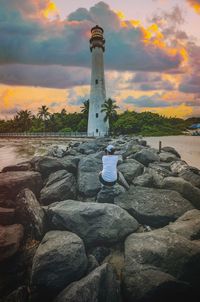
(109, 172)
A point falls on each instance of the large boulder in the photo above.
(59, 260)
(185, 188)
(178, 166)
(11, 183)
(10, 240)
(60, 185)
(154, 207)
(100, 285)
(58, 151)
(188, 225)
(168, 157)
(131, 168)
(93, 146)
(144, 180)
(162, 251)
(95, 223)
(190, 176)
(145, 283)
(46, 165)
(70, 163)
(146, 156)
(171, 150)
(88, 176)
(30, 213)
(128, 148)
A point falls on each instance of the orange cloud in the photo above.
(181, 111)
(51, 10)
(195, 4)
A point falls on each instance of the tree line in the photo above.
(127, 122)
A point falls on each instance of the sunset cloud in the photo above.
(45, 59)
(195, 4)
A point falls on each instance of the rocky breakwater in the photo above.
(63, 237)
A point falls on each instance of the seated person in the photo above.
(109, 175)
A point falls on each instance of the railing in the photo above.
(51, 134)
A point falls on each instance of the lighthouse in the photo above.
(97, 126)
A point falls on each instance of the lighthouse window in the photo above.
(97, 130)
(96, 81)
(97, 115)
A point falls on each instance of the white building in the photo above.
(96, 124)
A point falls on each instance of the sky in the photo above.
(152, 56)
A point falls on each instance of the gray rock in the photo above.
(88, 176)
(144, 180)
(30, 213)
(46, 165)
(145, 283)
(100, 285)
(188, 225)
(185, 188)
(10, 239)
(70, 163)
(131, 168)
(55, 177)
(57, 151)
(108, 194)
(11, 183)
(154, 207)
(7, 216)
(59, 260)
(166, 251)
(94, 145)
(158, 173)
(95, 223)
(171, 150)
(60, 186)
(168, 157)
(146, 156)
(127, 149)
(190, 176)
(178, 166)
(164, 170)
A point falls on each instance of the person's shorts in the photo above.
(106, 183)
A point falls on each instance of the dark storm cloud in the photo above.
(148, 101)
(28, 39)
(44, 76)
(163, 85)
(191, 82)
(151, 81)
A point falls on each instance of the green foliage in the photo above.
(66, 130)
(127, 122)
(109, 107)
(82, 126)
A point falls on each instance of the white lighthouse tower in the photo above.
(96, 124)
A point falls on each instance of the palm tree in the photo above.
(43, 114)
(109, 107)
(85, 108)
(23, 119)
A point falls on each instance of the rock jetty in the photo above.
(64, 238)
